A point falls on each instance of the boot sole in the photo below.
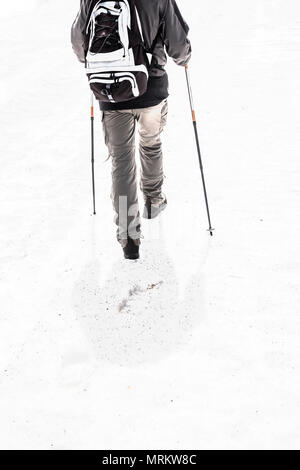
(153, 213)
(132, 257)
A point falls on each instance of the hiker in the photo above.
(125, 67)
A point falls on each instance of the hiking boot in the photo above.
(154, 206)
(131, 249)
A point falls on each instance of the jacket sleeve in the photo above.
(175, 31)
(78, 31)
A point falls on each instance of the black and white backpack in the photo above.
(116, 60)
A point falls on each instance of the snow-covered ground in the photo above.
(197, 344)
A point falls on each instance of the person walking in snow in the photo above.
(161, 31)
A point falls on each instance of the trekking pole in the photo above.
(93, 152)
(210, 229)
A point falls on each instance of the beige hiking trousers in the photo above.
(119, 132)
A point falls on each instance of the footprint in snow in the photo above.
(135, 291)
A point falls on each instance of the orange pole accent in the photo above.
(186, 66)
(194, 116)
(92, 111)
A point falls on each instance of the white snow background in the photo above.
(197, 344)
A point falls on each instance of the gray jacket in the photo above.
(164, 30)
